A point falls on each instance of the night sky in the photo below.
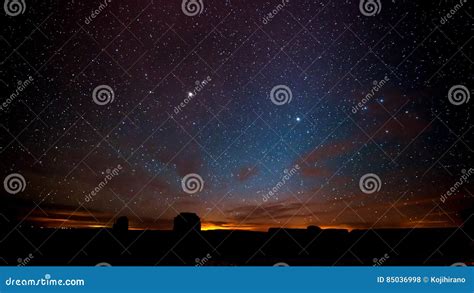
(260, 107)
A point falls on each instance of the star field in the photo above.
(192, 95)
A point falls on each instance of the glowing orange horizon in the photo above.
(66, 223)
(210, 227)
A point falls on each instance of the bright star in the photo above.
(298, 119)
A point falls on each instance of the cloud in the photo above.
(315, 163)
(246, 173)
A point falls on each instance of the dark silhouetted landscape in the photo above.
(187, 245)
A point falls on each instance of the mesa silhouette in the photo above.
(187, 245)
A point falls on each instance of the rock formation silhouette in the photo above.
(187, 223)
(121, 225)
